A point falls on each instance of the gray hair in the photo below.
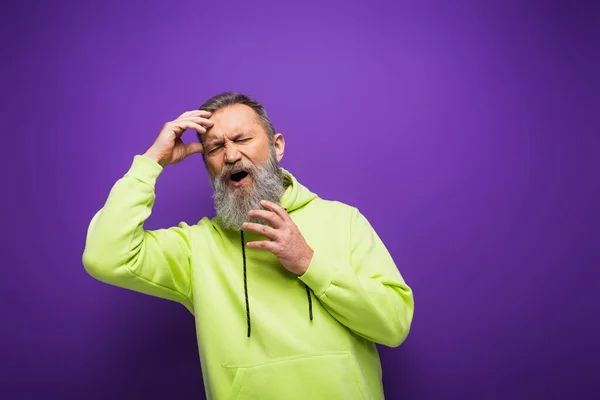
(225, 99)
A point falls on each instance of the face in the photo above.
(242, 164)
(236, 138)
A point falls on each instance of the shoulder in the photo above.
(340, 210)
(334, 208)
(205, 224)
(184, 226)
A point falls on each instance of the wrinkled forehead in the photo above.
(233, 120)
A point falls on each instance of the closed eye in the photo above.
(243, 140)
(214, 150)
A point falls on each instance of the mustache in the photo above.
(228, 169)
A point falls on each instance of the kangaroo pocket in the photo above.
(328, 376)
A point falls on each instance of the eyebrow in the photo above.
(211, 141)
(216, 141)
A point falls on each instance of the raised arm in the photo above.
(118, 250)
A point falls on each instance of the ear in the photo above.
(279, 145)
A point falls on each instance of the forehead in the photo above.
(233, 119)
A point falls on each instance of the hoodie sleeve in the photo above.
(368, 295)
(120, 252)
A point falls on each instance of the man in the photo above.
(290, 292)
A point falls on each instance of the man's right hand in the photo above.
(168, 148)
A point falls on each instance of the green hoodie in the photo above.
(262, 332)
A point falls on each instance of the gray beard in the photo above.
(233, 204)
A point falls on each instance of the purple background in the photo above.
(468, 134)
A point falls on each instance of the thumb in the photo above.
(193, 148)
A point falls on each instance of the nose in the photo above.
(232, 155)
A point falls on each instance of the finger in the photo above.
(276, 208)
(263, 230)
(194, 148)
(199, 120)
(196, 113)
(178, 127)
(273, 219)
(262, 245)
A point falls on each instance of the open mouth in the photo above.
(238, 176)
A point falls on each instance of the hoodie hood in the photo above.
(296, 195)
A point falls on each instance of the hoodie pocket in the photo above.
(331, 375)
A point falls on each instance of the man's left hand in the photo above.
(285, 239)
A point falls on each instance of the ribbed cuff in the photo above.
(145, 170)
(318, 276)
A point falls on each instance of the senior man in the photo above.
(290, 292)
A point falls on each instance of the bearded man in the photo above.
(290, 292)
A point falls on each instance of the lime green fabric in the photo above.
(359, 297)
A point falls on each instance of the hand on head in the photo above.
(168, 148)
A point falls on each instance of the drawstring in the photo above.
(246, 285)
(310, 311)
(309, 302)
